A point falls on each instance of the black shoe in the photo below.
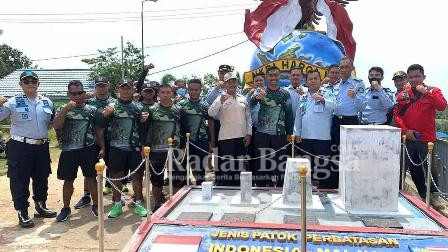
(95, 210)
(84, 201)
(24, 219)
(42, 211)
(63, 216)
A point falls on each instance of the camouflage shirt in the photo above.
(124, 126)
(78, 129)
(275, 113)
(194, 120)
(164, 122)
(100, 105)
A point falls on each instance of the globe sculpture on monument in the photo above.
(301, 48)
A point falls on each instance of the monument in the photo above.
(369, 169)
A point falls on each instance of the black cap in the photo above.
(125, 82)
(30, 74)
(101, 80)
(399, 74)
(226, 68)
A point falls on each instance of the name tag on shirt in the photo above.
(375, 97)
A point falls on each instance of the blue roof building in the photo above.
(53, 82)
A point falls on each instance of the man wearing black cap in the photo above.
(149, 93)
(27, 151)
(100, 101)
(125, 120)
(400, 79)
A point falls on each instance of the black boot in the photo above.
(42, 211)
(24, 219)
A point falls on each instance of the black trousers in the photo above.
(336, 141)
(417, 151)
(25, 162)
(228, 171)
(271, 166)
(321, 173)
(106, 160)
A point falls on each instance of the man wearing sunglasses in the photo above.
(27, 151)
(78, 123)
(125, 120)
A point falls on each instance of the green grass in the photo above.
(2, 166)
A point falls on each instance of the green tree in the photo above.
(108, 63)
(12, 59)
(209, 79)
(167, 79)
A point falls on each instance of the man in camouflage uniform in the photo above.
(164, 123)
(195, 120)
(100, 101)
(275, 125)
(125, 120)
(77, 121)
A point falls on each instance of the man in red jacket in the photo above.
(415, 115)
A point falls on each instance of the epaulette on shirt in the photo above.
(357, 79)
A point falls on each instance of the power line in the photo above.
(153, 46)
(115, 13)
(115, 20)
(198, 59)
(122, 17)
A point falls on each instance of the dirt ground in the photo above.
(79, 233)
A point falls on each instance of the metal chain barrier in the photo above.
(130, 174)
(164, 167)
(433, 181)
(183, 158)
(241, 159)
(326, 159)
(126, 197)
(410, 159)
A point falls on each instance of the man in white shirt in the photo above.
(235, 133)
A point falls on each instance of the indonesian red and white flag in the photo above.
(339, 25)
(165, 243)
(271, 21)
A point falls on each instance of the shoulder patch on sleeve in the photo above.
(361, 90)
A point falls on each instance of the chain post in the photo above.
(187, 149)
(428, 174)
(292, 145)
(403, 161)
(146, 151)
(170, 166)
(99, 167)
(302, 174)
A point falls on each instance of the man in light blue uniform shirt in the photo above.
(378, 99)
(350, 101)
(312, 127)
(27, 151)
(295, 89)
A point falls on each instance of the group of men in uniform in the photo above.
(257, 125)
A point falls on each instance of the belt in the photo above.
(29, 140)
(345, 117)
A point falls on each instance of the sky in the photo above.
(392, 34)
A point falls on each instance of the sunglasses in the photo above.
(148, 90)
(29, 81)
(77, 93)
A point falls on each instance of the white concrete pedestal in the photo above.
(369, 168)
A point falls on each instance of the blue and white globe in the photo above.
(309, 46)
